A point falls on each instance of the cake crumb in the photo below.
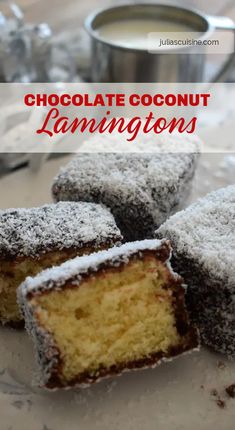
(221, 403)
(221, 364)
(230, 390)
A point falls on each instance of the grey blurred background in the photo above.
(62, 13)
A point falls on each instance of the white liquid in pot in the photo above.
(133, 33)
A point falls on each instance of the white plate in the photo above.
(174, 396)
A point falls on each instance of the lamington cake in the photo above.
(203, 240)
(37, 238)
(102, 314)
(141, 190)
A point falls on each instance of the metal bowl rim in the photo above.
(88, 24)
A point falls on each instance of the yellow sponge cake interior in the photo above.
(14, 272)
(128, 312)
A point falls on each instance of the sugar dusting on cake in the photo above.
(65, 225)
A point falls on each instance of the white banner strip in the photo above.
(37, 118)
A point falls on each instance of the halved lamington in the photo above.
(203, 240)
(141, 190)
(37, 238)
(105, 313)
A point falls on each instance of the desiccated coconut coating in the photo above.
(65, 225)
(203, 240)
(141, 190)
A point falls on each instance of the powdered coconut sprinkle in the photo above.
(205, 232)
(32, 232)
(141, 190)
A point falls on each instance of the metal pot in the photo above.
(113, 63)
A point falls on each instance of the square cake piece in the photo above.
(102, 314)
(37, 238)
(141, 189)
(203, 240)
